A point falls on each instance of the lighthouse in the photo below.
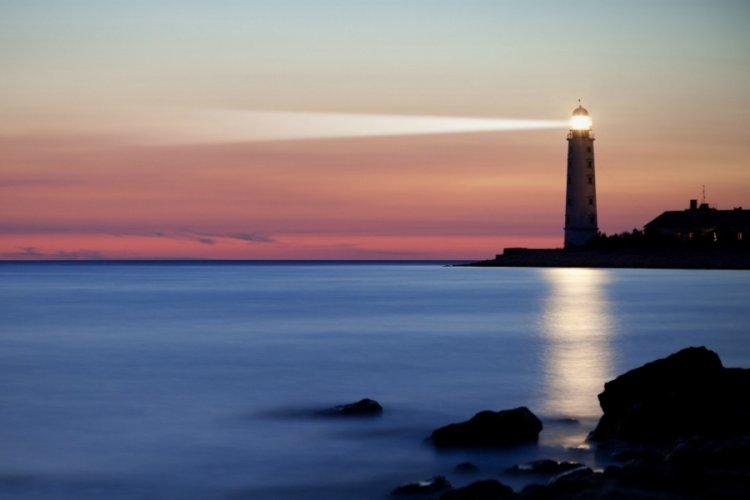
(580, 200)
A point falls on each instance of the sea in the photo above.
(210, 380)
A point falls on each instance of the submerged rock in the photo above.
(363, 407)
(688, 393)
(625, 452)
(569, 477)
(543, 467)
(437, 484)
(489, 489)
(490, 429)
(466, 468)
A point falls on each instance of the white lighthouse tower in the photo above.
(580, 201)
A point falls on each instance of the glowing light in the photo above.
(224, 125)
(580, 122)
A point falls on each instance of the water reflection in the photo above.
(578, 327)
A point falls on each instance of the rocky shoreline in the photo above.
(664, 258)
(677, 427)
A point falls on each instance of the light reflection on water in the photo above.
(579, 328)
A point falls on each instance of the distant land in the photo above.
(699, 237)
(653, 258)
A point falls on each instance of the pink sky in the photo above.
(79, 177)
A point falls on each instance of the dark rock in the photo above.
(466, 468)
(690, 454)
(570, 484)
(688, 393)
(570, 477)
(491, 428)
(681, 425)
(534, 492)
(583, 483)
(624, 452)
(363, 407)
(694, 467)
(688, 367)
(727, 484)
(661, 477)
(733, 453)
(437, 484)
(489, 489)
(587, 485)
(544, 467)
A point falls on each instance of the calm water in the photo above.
(187, 381)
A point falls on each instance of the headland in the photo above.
(699, 237)
(666, 257)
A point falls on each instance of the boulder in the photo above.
(577, 483)
(544, 467)
(488, 489)
(587, 485)
(681, 427)
(688, 393)
(491, 429)
(653, 476)
(685, 370)
(733, 453)
(437, 484)
(695, 468)
(363, 407)
(570, 477)
(625, 452)
(466, 468)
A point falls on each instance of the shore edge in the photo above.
(666, 258)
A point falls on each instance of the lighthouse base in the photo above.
(576, 238)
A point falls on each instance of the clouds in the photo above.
(34, 253)
(251, 237)
(72, 245)
(209, 239)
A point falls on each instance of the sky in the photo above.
(218, 130)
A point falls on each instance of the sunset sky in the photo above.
(128, 127)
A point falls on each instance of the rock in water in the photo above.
(685, 424)
(437, 484)
(682, 371)
(466, 468)
(491, 428)
(544, 467)
(688, 393)
(489, 489)
(363, 407)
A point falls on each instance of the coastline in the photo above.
(671, 428)
(657, 258)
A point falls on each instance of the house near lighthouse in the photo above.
(703, 223)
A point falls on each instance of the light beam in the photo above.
(195, 126)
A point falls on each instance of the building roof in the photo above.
(580, 111)
(703, 217)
